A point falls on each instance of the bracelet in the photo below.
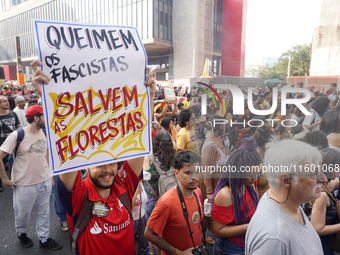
(210, 193)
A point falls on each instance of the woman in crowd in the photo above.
(298, 132)
(214, 154)
(324, 216)
(317, 139)
(24, 93)
(164, 151)
(168, 125)
(262, 136)
(281, 132)
(139, 221)
(330, 125)
(235, 200)
(319, 106)
(244, 130)
(183, 138)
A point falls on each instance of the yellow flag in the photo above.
(205, 68)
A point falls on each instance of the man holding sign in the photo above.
(110, 228)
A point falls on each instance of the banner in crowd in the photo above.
(21, 78)
(96, 105)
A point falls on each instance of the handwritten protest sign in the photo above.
(169, 93)
(96, 104)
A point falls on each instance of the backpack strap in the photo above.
(20, 137)
(151, 188)
(82, 221)
(314, 116)
(159, 170)
(336, 201)
(124, 198)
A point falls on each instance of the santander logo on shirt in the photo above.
(96, 229)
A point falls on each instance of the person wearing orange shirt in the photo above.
(167, 227)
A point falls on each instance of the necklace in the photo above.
(279, 201)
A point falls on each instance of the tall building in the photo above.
(326, 40)
(178, 35)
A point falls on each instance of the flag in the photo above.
(205, 68)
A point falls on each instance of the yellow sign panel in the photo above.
(21, 78)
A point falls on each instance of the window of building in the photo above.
(163, 19)
(218, 23)
(16, 2)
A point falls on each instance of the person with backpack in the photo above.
(99, 207)
(164, 150)
(31, 180)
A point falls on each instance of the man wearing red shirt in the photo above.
(167, 228)
(110, 229)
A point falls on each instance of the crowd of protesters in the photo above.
(179, 192)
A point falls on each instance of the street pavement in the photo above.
(9, 243)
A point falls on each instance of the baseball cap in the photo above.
(19, 99)
(32, 110)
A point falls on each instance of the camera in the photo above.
(200, 250)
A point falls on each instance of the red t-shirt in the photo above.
(167, 220)
(112, 234)
(225, 214)
(153, 132)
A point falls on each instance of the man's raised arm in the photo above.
(39, 76)
(136, 164)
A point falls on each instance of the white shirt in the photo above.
(21, 113)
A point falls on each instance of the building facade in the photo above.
(326, 40)
(178, 35)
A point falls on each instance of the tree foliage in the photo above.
(300, 57)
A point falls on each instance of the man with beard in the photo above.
(31, 179)
(167, 227)
(279, 225)
(110, 228)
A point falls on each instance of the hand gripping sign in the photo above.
(96, 105)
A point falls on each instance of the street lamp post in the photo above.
(299, 66)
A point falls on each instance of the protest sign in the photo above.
(21, 78)
(96, 105)
(169, 93)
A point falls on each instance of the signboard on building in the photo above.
(96, 104)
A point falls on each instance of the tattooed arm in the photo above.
(162, 244)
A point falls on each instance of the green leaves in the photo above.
(300, 58)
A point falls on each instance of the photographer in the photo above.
(173, 228)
